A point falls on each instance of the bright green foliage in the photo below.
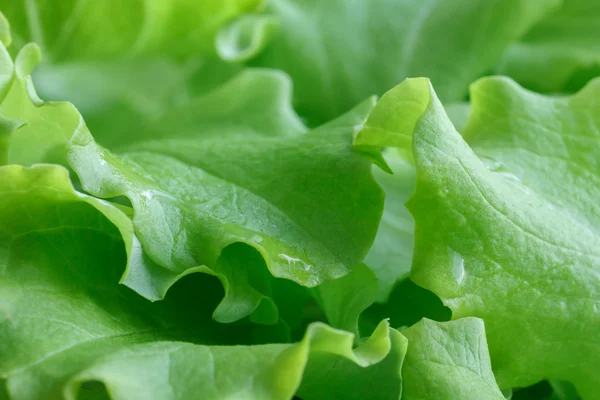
(69, 30)
(448, 361)
(130, 60)
(345, 298)
(228, 211)
(174, 180)
(66, 322)
(176, 370)
(499, 233)
(340, 52)
(559, 54)
(391, 255)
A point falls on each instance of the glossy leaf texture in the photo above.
(70, 331)
(66, 321)
(561, 53)
(235, 166)
(498, 234)
(340, 52)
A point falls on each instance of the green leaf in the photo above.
(67, 322)
(499, 233)
(245, 37)
(233, 166)
(447, 361)
(182, 370)
(121, 62)
(563, 391)
(406, 305)
(390, 256)
(96, 30)
(60, 302)
(347, 380)
(340, 52)
(560, 54)
(202, 189)
(7, 70)
(44, 127)
(345, 298)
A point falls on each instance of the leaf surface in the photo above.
(499, 234)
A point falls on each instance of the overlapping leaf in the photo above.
(126, 61)
(448, 360)
(70, 30)
(561, 54)
(340, 52)
(233, 166)
(499, 233)
(66, 321)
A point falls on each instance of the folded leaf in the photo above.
(448, 360)
(506, 230)
(344, 299)
(70, 30)
(329, 376)
(60, 303)
(390, 256)
(121, 62)
(66, 321)
(340, 52)
(233, 166)
(407, 304)
(561, 53)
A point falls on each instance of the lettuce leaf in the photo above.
(126, 61)
(61, 260)
(391, 254)
(561, 53)
(246, 228)
(448, 360)
(192, 196)
(69, 30)
(66, 321)
(499, 234)
(340, 52)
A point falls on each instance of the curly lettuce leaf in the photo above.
(70, 30)
(340, 52)
(498, 233)
(182, 370)
(121, 62)
(306, 202)
(67, 322)
(61, 305)
(345, 379)
(447, 361)
(560, 54)
(407, 304)
(344, 299)
(234, 166)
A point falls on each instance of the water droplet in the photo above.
(296, 261)
(507, 175)
(256, 239)
(458, 267)
(313, 281)
(499, 169)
